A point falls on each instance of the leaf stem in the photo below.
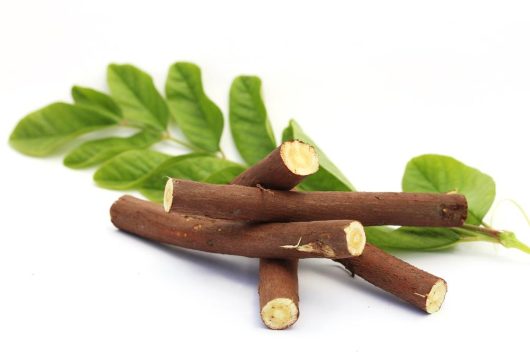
(183, 143)
(129, 124)
(488, 234)
(470, 235)
(488, 231)
(168, 136)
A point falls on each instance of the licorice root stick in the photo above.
(278, 292)
(282, 169)
(259, 204)
(413, 285)
(317, 239)
(279, 278)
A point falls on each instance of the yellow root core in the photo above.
(355, 238)
(436, 296)
(300, 158)
(279, 313)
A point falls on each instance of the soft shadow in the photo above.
(338, 273)
(238, 269)
(241, 269)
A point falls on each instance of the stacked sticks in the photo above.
(258, 215)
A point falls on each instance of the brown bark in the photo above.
(282, 169)
(256, 204)
(413, 285)
(278, 292)
(317, 239)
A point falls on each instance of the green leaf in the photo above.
(91, 98)
(198, 117)
(323, 180)
(250, 127)
(328, 176)
(137, 96)
(196, 167)
(96, 151)
(411, 238)
(442, 174)
(42, 132)
(225, 176)
(129, 169)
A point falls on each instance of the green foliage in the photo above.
(131, 163)
(249, 124)
(137, 96)
(42, 132)
(412, 238)
(129, 169)
(196, 167)
(198, 117)
(91, 98)
(328, 177)
(444, 174)
(94, 152)
(225, 175)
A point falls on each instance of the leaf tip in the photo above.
(71, 162)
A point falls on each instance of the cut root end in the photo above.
(436, 296)
(279, 313)
(299, 157)
(168, 195)
(355, 238)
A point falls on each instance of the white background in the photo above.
(374, 83)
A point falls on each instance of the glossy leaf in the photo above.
(249, 124)
(97, 151)
(328, 176)
(129, 169)
(42, 132)
(94, 99)
(198, 117)
(225, 176)
(411, 238)
(196, 167)
(443, 174)
(137, 96)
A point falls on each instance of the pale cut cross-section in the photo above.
(436, 296)
(299, 157)
(168, 195)
(355, 238)
(279, 313)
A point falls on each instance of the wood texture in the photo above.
(395, 276)
(272, 172)
(278, 292)
(278, 278)
(317, 239)
(257, 204)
